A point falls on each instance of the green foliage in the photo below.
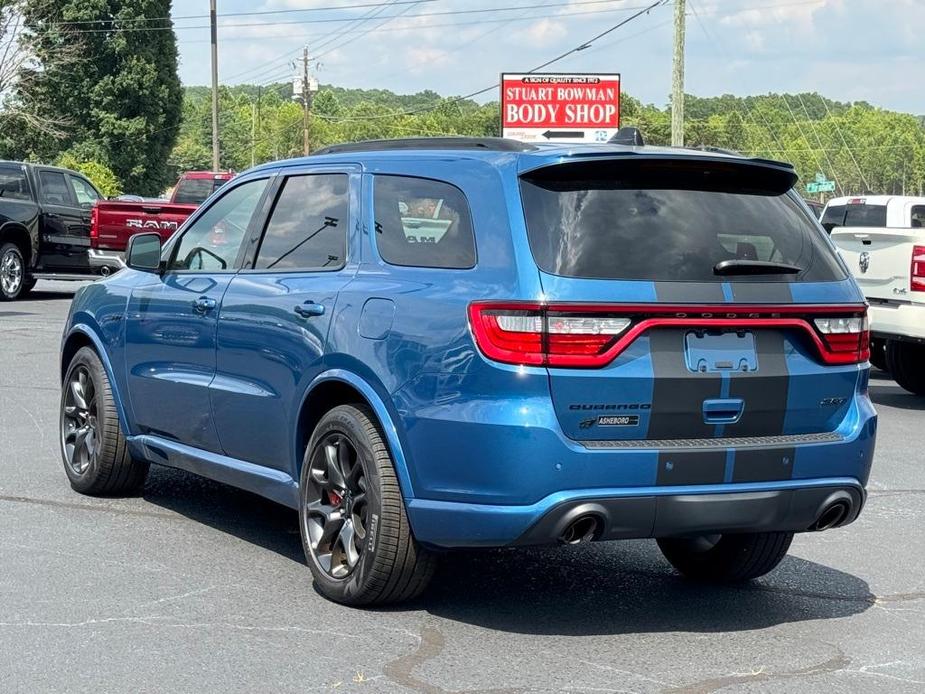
(118, 100)
(863, 148)
(99, 174)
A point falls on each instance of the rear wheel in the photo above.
(355, 532)
(878, 354)
(96, 458)
(906, 361)
(12, 272)
(726, 558)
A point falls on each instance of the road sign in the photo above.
(822, 187)
(560, 107)
(820, 178)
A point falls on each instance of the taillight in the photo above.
(94, 223)
(593, 335)
(917, 273)
(537, 335)
(846, 338)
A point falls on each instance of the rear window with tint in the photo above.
(854, 216)
(193, 191)
(13, 183)
(422, 223)
(665, 220)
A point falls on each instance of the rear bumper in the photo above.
(113, 260)
(897, 320)
(639, 513)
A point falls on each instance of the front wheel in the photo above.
(12, 272)
(96, 457)
(726, 558)
(355, 532)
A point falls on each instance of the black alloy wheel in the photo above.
(336, 506)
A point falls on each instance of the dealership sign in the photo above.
(560, 108)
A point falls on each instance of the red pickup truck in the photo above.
(114, 222)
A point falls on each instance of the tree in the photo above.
(123, 100)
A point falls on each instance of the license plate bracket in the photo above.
(717, 352)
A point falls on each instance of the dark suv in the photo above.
(430, 344)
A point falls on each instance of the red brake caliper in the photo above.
(334, 498)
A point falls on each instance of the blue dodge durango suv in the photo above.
(428, 344)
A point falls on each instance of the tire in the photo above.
(728, 559)
(12, 272)
(97, 462)
(348, 479)
(906, 363)
(878, 354)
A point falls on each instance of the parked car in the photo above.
(816, 207)
(586, 343)
(883, 241)
(114, 221)
(44, 226)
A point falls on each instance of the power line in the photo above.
(329, 8)
(337, 20)
(582, 46)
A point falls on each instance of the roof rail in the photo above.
(496, 144)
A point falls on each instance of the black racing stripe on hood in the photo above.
(677, 392)
(763, 465)
(691, 467)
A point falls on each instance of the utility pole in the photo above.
(677, 77)
(214, 26)
(255, 124)
(306, 100)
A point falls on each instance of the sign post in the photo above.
(565, 108)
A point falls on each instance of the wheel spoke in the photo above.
(77, 391)
(335, 474)
(316, 508)
(80, 436)
(330, 531)
(346, 539)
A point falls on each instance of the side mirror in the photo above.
(144, 252)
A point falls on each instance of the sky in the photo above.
(849, 50)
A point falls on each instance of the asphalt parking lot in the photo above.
(194, 586)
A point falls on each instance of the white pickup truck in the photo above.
(882, 239)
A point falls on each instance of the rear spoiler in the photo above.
(671, 169)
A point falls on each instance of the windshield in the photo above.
(668, 221)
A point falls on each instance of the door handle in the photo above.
(309, 309)
(723, 411)
(203, 304)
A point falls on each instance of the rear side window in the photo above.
(54, 188)
(86, 194)
(854, 216)
(194, 191)
(13, 184)
(668, 220)
(918, 216)
(423, 223)
(308, 227)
